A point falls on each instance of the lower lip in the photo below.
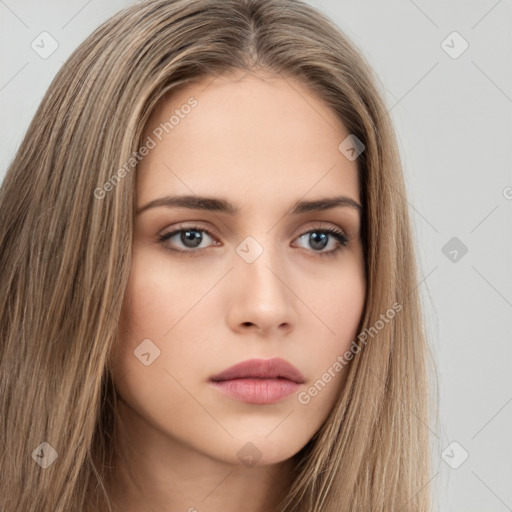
(257, 391)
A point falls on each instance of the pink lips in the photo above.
(259, 381)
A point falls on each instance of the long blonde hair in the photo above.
(65, 259)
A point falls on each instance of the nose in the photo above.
(261, 295)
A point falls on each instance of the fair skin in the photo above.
(262, 143)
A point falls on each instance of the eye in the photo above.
(192, 237)
(319, 238)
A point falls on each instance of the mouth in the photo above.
(259, 381)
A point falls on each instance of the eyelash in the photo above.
(339, 235)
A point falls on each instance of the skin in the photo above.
(261, 142)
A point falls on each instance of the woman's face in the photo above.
(262, 281)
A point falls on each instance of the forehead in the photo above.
(247, 136)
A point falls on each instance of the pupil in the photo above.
(314, 237)
(192, 236)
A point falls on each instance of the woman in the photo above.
(209, 277)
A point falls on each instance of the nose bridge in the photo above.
(260, 260)
(261, 276)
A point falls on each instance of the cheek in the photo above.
(346, 307)
(161, 304)
(156, 299)
(157, 295)
(339, 305)
(142, 314)
(340, 301)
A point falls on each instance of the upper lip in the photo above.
(261, 369)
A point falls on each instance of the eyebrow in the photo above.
(222, 206)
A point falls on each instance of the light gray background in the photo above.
(454, 122)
